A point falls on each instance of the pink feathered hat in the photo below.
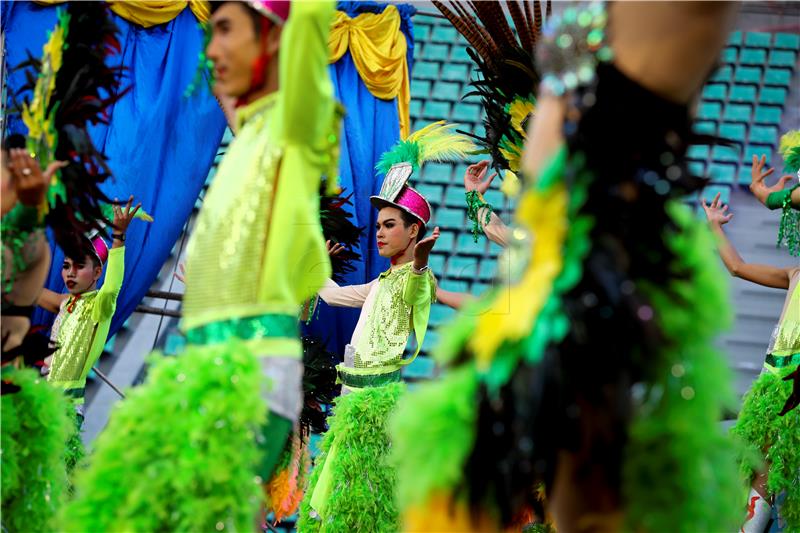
(395, 192)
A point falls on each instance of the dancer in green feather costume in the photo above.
(767, 422)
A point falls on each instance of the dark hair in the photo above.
(255, 16)
(409, 219)
(83, 253)
(15, 140)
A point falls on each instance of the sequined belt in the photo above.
(247, 328)
(361, 381)
(782, 361)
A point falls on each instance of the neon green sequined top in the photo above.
(257, 249)
(81, 328)
(784, 346)
(392, 306)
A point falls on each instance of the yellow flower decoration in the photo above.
(511, 315)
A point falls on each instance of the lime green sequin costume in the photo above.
(81, 328)
(352, 485)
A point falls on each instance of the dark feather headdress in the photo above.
(504, 55)
(73, 88)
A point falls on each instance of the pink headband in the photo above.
(100, 248)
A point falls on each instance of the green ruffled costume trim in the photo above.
(775, 437)
(35, 429)
(448, 426)
(680, 470)
(363, 494)
(179, 453)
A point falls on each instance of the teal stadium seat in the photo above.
(722, 174)
(461, 267)
(425, 70)
(432, 192)
(437, 173)
(697, 169)
(725, 154)
(758, 39)
(422, 32)
(737, 113)
(772, 95)
(452, 219)
(458, 54)
(748, 74)
(455, 72)
(724, 74)
(729, 55)
(714, 91)
(778, 77)
(735, 38)
(433, 110)
(768, 115)
(466, 113)
(415, 108)
(734, 132)
(444, 90)
(751, 56)
(444, 34)
(743, 94)
(787, 41)
(454, 197)
(435, 52)
(764, 135)
(437, 261)
(705, 127)
(697, 152)
(446, 239)
(709, 111)
(782, 58)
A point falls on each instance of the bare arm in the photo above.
(766, 275)
(50, 300)
(452, 299)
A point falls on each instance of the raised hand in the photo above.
(30, 182)
(423, 249)
(757, 177)
(124, 215)
(335, 249)
(716, 213)
(473, 177)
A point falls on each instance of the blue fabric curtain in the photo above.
(160, 144)
(371, 126)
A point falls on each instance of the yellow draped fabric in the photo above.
(152, 12)
(378, 48)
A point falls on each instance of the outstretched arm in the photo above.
(51, 300)
(452, 299)
(766, 275)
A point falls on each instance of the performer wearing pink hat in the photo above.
(84, 313)
(352, 485)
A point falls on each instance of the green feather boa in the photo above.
(680, 468)
(362, 498)
(35, 430)
(776, 437)
(179, 453)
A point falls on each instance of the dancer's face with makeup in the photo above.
(392, 234)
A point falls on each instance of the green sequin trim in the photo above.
(359, 381)
(18, 225)
(247, 328)
(782, 361)
(789, 229)
(474, 204)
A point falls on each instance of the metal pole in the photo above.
(165, 295)
(108, 382)
(157, 311)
